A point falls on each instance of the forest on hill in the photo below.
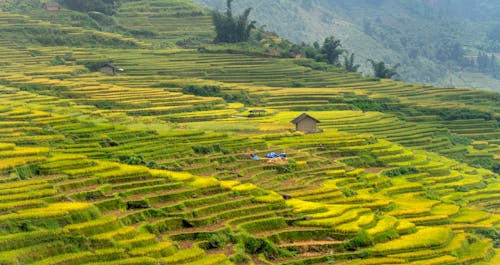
(436, 42)
(148, 132)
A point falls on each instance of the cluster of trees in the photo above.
(107, 7)
(451, 51)
(494, 34)
(381, 70)
(215, 91)
(488, 64)
(230, 29)
(331, 52)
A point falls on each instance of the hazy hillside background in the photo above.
(436, 41)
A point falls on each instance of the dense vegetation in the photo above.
(436, 42)
(165, 163)
(232, 29)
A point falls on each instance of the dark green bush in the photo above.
(361, 239)
(218, 240)
(206, 149)
(348, 192)
(395, 172)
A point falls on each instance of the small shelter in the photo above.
(51, 6)
(305, 123)
(110, 69)
(296, 53)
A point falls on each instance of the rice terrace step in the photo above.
(131, 134)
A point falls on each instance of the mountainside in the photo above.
(434, 41)
(127, 137)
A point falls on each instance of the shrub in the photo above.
(206, 149)
(216, 91)
(362, 239)
(348, 192)
(93, 66)
(218, 240)
(258, 245)
(395, 172)
(58, 60)
(232, 29)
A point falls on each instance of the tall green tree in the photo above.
(349, 64)
(380, 70)
(331, 50)
(230, 29)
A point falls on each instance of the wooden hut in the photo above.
(306, 123)
(51, 6)
(110, 69)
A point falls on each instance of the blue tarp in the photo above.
(255, 156)
(274, 155)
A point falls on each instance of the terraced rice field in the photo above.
(128, 169)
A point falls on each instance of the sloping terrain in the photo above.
(420, 35)
(153, 166)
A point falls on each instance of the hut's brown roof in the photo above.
(303, 116)
(51, 4)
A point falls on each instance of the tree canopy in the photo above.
(331, 50)
(230, 29)
(380, 70)
(349, 64)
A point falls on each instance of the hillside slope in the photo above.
(157, 164)
(417, 34)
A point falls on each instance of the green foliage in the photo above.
(331, 50)
(138, 160)
(386, 236)
(218, 240)
(361, 239)
(93, 66)
(215, 91)
(27, 171)
(58, 60)
(348, 192)
(380, 70)
(492, 233)
(396, 172)
(231, 29)
(349, 64)
(282, 169)
(488, 64)
(204, 91)
(255, 245)
(239, 258)
(494, 34)
(364, 160)
(496, 168)
(456, 113)
(208, 149)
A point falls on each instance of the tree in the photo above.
(494, 34)
(231, 29)
(483, 62)
(349, 63)
(380, 70)
(331, 50)
(494, 67)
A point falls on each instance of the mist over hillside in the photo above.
(436, 42)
